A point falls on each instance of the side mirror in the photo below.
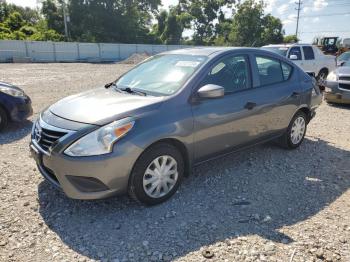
(293, 57)
(342, 63)
(211, 91)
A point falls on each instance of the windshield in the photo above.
(344, 56)
(281, 50)
(347, 63)
(161, 74)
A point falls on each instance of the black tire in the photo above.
(286, 140)
(3, 119)
(136, 189)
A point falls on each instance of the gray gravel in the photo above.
(262, 204)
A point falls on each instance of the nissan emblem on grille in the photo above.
(38, 134)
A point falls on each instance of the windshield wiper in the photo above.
(125, 89)
(108, 85)
(132, 91)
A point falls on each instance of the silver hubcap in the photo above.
(321, 79)
(298, 130)
(160, 176)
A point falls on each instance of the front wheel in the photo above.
(295, 133)
(157, 174)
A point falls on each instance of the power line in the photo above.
(315, 32)
(333, 14)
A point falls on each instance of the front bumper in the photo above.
(335, 94)
(20, 109)
(93, 177)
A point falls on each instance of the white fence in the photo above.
(38, 51)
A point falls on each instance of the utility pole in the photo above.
(299, 3)
(66, 19)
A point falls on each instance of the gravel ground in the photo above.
(262, 204)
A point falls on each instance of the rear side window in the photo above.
(270, 70)
(308, 53)
(295, 50)
(286, 70)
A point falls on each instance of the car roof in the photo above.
(287, 45)
(206, 51)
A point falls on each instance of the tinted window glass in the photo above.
(308, 53)
(270, 70)
(286, 70)
(295, 50)
(230, 73)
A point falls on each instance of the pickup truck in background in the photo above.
(308, 57)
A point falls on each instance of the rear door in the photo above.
(278, 94)
(309, 59)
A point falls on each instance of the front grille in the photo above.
(344, 86)
(345, 78)
(46, 138)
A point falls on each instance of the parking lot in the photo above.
(265, 203)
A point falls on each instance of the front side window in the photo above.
(231, 72)
(295, 50)
(161, 74)
(308, 53)
(270, 71)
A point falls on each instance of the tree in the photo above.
(272, 30)
(290, 39)
(171, 25)
(19, 23)
(249, 27)
(204, 16)
(53, 13)
(125, 21)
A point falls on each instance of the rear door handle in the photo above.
(250, 105)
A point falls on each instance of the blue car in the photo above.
(15, 105)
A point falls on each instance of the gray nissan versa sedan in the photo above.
(144, 132)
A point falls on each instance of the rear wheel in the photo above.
(157, 174)
(3, 119)
(295, 133)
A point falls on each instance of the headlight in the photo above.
(100, 141)
(327, 89)
(332, 76)
(12, 91)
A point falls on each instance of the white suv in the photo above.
(310, 58)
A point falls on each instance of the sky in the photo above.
(317, 17)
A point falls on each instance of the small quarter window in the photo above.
(287, 70)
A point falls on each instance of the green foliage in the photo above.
(290, 39)
(17, 23)
(171, 25)
(130, 21)
(203, 15)
(249, 27)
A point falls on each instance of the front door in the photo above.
(214, 118)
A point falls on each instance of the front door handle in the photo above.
(250, 105)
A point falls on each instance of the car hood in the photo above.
(101, 106)
(4, 84)
(343, 70)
